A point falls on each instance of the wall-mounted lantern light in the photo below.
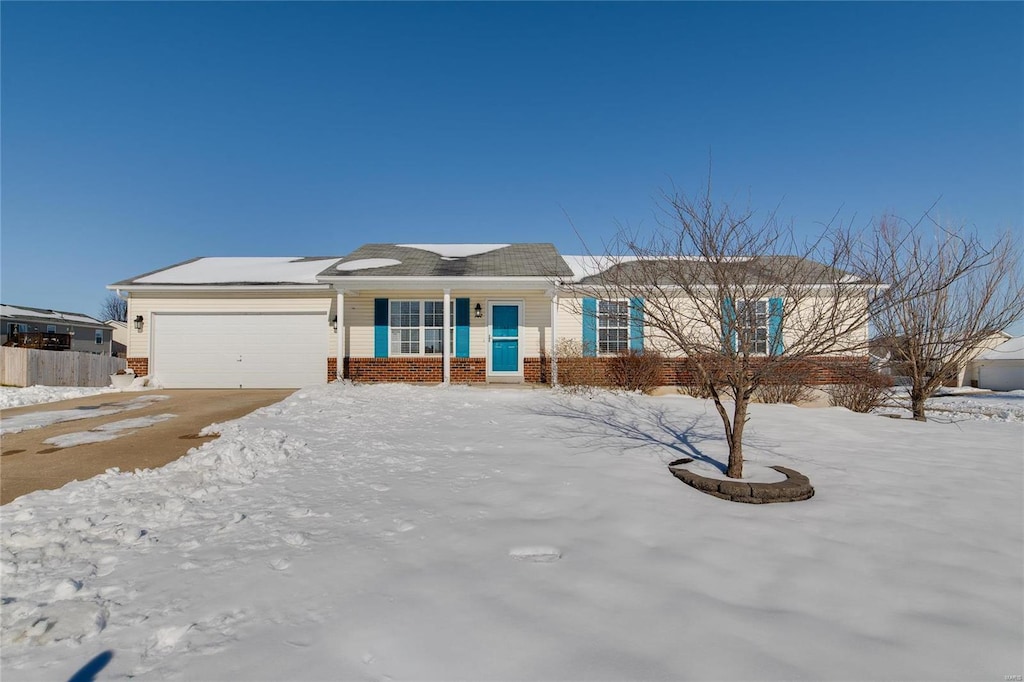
(334, 323)
(138, 323)
(478, 311)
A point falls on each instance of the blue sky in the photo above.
(137, 135)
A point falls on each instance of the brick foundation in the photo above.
(139, 365)
(431, 370)
(332, 369)
(681, 371)
(536, 370)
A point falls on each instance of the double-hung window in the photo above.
(417, 327)
(752, 326)
(99, 336)
(612, 327)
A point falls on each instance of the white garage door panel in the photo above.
(1003, 377)
(246, 350)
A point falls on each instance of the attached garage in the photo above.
(239, 350)
(1000, 368)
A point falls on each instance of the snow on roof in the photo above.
(222, 270)
(1010, 350)
(456, 250)
(14, 311)
(367, 264)
(590, 265)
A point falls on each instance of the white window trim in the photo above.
(629, 326)
(767, 328)
(422, 328)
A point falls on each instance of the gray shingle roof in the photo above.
(513, 260)
(760, 270)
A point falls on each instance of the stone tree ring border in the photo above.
(795, 488)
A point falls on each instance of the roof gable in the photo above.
(451, 260)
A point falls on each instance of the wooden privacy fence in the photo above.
(31, 367)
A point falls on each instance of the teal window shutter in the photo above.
(380, 327)
(775, 326)
(462, 327)
(728, 325)
(589, 327)
(636, 324)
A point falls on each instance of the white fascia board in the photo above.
(181, 288)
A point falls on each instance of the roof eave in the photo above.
(136, 288)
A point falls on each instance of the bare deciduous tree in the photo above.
(739, 298)
(949, 293)
(114, 308)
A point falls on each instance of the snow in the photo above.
(106, 432)
(402, 532)
(34, 395)
(587, 266)
(966, 403)
(455, 250)
(367, 264)
(752, 473)
(34, 420)
(591, 264)
(1010, 350)
(222, 270)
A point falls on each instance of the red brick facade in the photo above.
(139, 365)
(676, 372)
(414, 370)
(680, 371)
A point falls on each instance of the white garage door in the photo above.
(1001, 376)
(239, 350)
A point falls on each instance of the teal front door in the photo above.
(505, 338)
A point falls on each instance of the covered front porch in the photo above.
(447, 335)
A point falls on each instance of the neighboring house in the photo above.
(386, 312)
(1000, 368)
(886, 351)
(53, 330)
(119, 338)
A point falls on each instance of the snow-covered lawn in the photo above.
(375, 532)
(33, 395)
(959, 404)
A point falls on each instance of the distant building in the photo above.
(119, 345)
(27, 327)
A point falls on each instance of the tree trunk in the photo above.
(739, 419)
(917, 405)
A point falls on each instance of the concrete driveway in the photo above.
(28, 463)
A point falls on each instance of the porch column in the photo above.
(340, 333)
(554, 337)
(446, 337)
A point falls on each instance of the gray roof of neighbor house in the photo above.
(609, 270)
(21, 312)
(451, 260)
